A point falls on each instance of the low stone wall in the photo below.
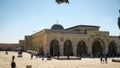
(31, 52)
(116, 60)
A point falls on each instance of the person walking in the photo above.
(101, 59)
(13, 57)
(13, 64)
(31, 56)
(106, 61)
(6, 52)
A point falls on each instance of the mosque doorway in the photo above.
(97, 49)
(112, 49)
(68, 49)
(54, 47)
(81, 49)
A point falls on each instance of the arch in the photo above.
(97, 47)
(54, 47)
(81, 49)
(112, 49)
(68, 49)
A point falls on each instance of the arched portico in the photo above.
(112, 49)
(81, 49)
(68, 49)
(54, 47)
(97, 48)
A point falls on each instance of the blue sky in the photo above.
(25, 17)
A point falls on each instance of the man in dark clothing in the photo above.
(58, 54)
(31, 56)
(106, 59)
(6, 52)
(13, 57)
(101, 59)
(13, 64)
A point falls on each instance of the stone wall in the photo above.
(5, 46)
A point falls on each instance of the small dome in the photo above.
(57, 26)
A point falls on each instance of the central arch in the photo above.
(81, 49)
(54, 47)
(68, 49)
(97, 47)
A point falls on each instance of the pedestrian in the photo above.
(13, 64)
(13, 57)
(31, 56)
(43, 57)
(58, 54)
(106, 59)
(101, 59)
(6, 52)
(42, 53)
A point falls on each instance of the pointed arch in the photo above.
(97, 47)
(68, 49)
(81, 48)
(112, 49)
(54, 47)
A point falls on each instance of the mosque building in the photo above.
(80, 40)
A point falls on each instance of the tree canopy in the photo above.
(119, 22)
(62, 1)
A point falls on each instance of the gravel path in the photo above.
(5, 61)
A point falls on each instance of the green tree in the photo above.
(119, 22)
(62, 1)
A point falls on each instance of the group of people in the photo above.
(104, 60)
(13, 64)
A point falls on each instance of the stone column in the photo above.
(106, 49)
(74, 50)
(90, 50)
(47, 49)
(118, 49)
(61, 45)
(74, 45)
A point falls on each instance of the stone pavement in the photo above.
(5, 61)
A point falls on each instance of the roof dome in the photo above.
(57, 26)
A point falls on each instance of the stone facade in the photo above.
(80, 40)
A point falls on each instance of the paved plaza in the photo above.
(5, 61)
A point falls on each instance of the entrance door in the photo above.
(81, 49)
(68, 50)
(112, 49)
(54, 48)
(97, 48)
